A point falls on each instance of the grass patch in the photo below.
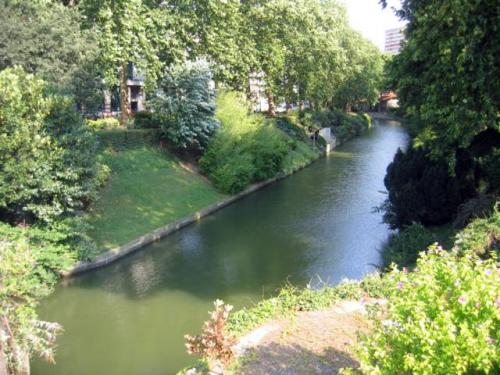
(147, 189)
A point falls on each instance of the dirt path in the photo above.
(318, 342)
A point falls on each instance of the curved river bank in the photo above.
(130, 317)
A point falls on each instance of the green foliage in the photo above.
(103, 123)
(45, 38)
(246, 149)
(421, 190)
(30, 259)
(47, 154)
(443, 318)
(145, 120)
(481, 236)
(447, 71)
(344, 126)
(185, 106)
(21, 333)
(403, 248)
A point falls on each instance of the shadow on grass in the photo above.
(279, 359)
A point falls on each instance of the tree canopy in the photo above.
(447, 72)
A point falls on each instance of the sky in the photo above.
(368, 17)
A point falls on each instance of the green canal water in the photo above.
(130, 318)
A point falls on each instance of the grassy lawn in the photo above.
(147, 189)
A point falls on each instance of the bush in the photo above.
(443, 318)
(104, 123)
(246, 149)
(48, 164)
(214, 344)
(422, 190)
(185, 106)
(145, 120)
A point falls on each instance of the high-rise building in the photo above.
(393, 39)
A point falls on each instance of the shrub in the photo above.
(104, 123)
(48, 161)
(185, 106)
(246, 149)
(422, 190)
(443, 318)
(214, 343)
(145, 120)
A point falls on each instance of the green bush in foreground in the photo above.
(443, 318)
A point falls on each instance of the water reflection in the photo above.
(130, 318)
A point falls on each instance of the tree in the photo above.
(447, 71)
(130, 32)
(48, 162)
(185, 106)
(45, 38)
(217, 32)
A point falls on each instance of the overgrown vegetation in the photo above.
(246, 149)
(442, 318)
(402, 248)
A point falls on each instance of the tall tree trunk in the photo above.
(271, 105)
(301, 106)
(124, 105)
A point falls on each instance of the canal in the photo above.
(315, 226)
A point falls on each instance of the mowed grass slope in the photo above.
(147, 189)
